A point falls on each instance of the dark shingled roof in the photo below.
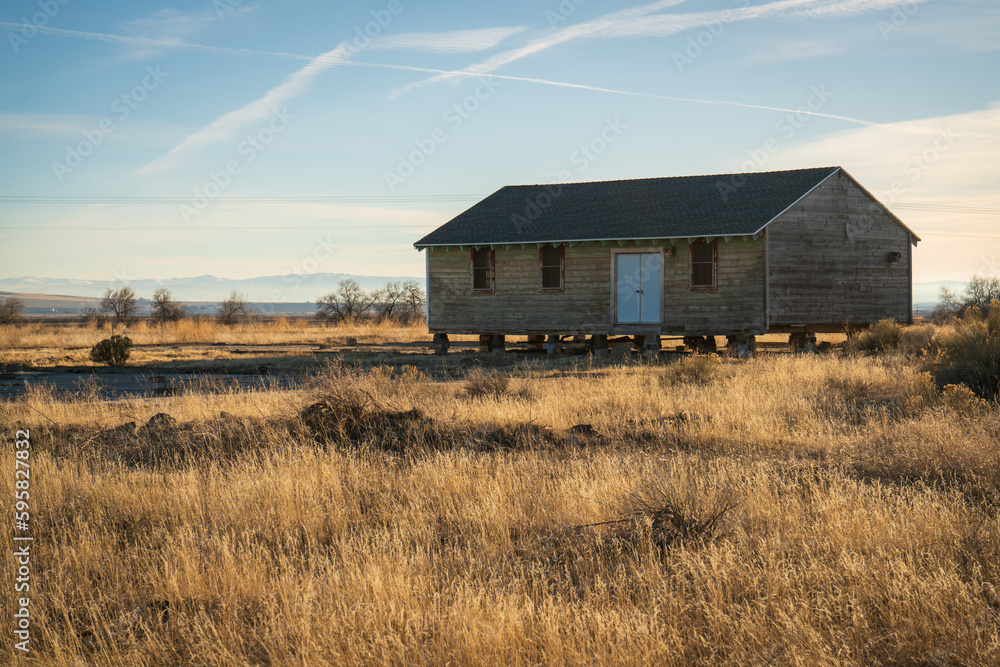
(685, 206)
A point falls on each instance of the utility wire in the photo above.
(345, 199)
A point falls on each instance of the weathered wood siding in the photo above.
(828, 260)
(735, 305)
(518, 306)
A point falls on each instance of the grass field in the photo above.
(785, 510)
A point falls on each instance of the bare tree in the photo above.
(414, 298)
(389, 300)
(121, 303)
(981, 292)
(165, 309)
(234, 309)
(401, 301)
(978, 293)
(348, 302)
(10, 310)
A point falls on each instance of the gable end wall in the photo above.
(828, 261)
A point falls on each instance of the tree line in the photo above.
(401, 301)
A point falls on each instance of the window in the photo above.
(550, 261)
(482, 270)
(703, 264)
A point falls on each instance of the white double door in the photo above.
(638, 287)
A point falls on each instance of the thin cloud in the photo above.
(643, 21)
(169, 23)
(670, 24)
(458, 41)
(228, 125)
(175, 44)
(585, 29)
(894, 127)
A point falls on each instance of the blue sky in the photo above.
(244, 138)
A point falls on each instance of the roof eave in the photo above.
(615, 239)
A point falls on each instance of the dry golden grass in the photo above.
(865, 531)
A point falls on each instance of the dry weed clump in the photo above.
(491, 384)
(163, 443)
(696, 369)
(353, 418)
(682, 505)
(883, 336)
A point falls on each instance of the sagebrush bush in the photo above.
(112, 351)
(916, 340)
(696, 369)
(883, 336)
(489, 384)
(970, 355)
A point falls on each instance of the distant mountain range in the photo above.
(278, 289)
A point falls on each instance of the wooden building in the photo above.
(737, 255)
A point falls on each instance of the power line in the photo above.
(961, 236)
(343, 199)
(192, 228)
(949, 209)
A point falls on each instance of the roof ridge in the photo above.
(664, 178)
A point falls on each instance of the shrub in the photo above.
(93, 318)
(10, 310)
(883, 336)
(487, 384)
(971, 355)
(696, 369)
(916, 340)
(112, 351)
(689, 503)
